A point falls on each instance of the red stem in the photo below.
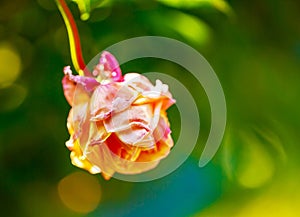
(74, 38)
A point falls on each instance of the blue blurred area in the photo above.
(182, 193)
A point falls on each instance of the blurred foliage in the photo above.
(85, 7)
(254, 48)
(221, 5)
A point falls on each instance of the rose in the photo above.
(117, 124)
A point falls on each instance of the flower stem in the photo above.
(74, 40)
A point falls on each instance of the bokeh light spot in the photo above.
(85, 16)
(12, 97)
(10, 65)
(80, 192)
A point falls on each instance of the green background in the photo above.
(254, 48)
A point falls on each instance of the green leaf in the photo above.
(187, 26)
(220, 5)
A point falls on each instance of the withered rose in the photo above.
(117, 122)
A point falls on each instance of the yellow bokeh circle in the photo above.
(80, 192)
(10, 65)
